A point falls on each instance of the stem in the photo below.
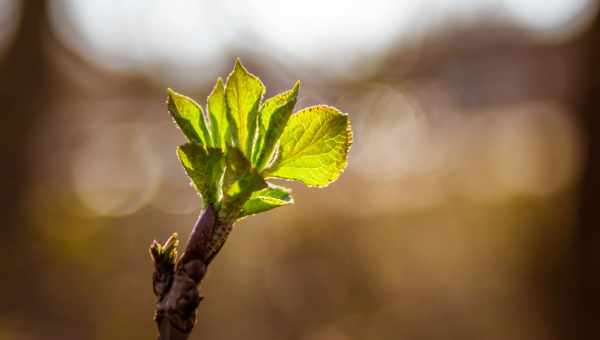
(175, 282)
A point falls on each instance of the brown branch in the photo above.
(175, 282)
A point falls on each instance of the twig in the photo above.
(175, 282)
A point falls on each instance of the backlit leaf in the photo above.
(266, 199)
(240, 181)
(243, 93)
(205, 168)
(273, 116)
(314, 146)
(217, 112)
(189, 118)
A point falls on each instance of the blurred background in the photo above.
(468, 210)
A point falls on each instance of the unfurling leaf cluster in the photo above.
(240, 141)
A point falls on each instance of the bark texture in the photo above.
(175, 282)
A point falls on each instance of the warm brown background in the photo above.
(469, 209)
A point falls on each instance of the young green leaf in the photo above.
(243, 94)
(217, 112)
(236, 166)
(205, 168)
(189, 117)
(273, 116)
(266, 199)
(240, 181)
(314, 146)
